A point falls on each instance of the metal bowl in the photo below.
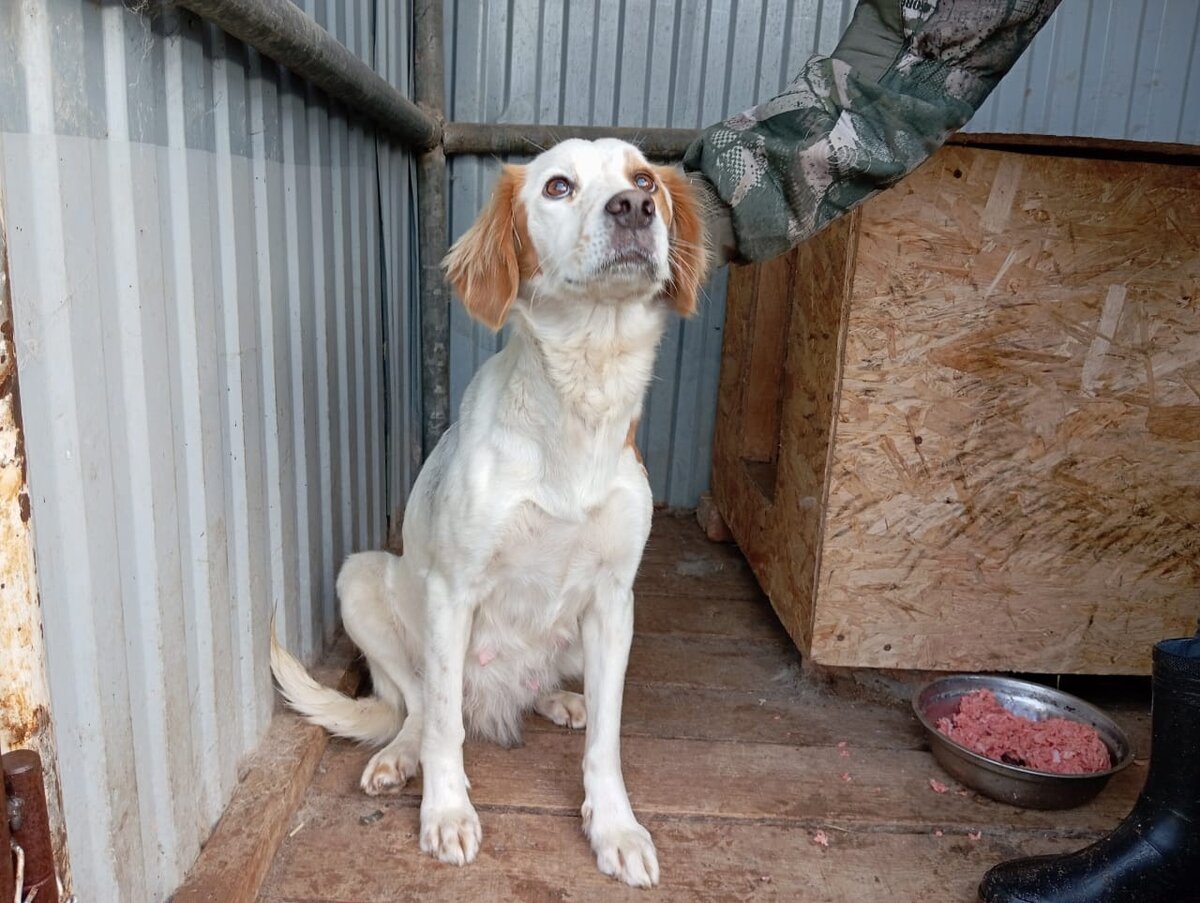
(1011, 783)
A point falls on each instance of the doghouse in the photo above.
(959, 429)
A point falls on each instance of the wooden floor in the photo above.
(735, 762)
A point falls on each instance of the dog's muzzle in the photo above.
(631, 214)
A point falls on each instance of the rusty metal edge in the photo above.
(36, 731)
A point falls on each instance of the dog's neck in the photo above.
(596, 357)
(577, 376)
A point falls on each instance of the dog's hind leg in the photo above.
(390, 768)
(563, 708)
(369, 620)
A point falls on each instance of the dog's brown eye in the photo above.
(558, 187)
(645, 181)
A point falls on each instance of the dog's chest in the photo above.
(525, 633)
(540, 578)
(542, 560)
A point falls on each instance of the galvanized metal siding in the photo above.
(1106, 69)
(208, 261)
(1102, 68)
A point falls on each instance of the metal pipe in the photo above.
(503, 138)
(433, 234)
(667, 144)
(30, 821)
(280, 30)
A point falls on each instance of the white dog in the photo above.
(526, 526)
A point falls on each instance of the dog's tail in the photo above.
(367, 720)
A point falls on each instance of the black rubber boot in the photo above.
(1153, 856)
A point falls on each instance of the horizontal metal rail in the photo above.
(283, 32)
(504, 138)
(669, 144)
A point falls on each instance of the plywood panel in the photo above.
(1016, 478)
(775, 512)
(989, 432)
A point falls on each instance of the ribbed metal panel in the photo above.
(208, 260)
(1101, 68)
(1106, 69)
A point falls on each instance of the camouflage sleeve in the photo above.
(906, 74)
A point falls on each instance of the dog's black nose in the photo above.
(632, 209)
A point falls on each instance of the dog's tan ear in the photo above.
(483, 265)
(689, 249)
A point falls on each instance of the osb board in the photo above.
(770, 491)
(1016, 471)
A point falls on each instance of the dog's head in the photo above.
(586, 220)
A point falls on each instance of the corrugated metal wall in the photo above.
(1101, 68)
(1106, 69)
(208, 259)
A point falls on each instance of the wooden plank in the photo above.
(739, 618)
(676, 536)
(537, 858)
(803, 714)
(238, 853)
(1004, 495)
(772, 668)
(697, 576)
(746, 781)
(796, 716)
(680, 560)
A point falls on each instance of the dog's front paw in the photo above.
(626, 852)
(452, 835)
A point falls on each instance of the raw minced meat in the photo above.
(1056, 745)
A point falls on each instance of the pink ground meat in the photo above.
(1055, 745)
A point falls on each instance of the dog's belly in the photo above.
(525, 636)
